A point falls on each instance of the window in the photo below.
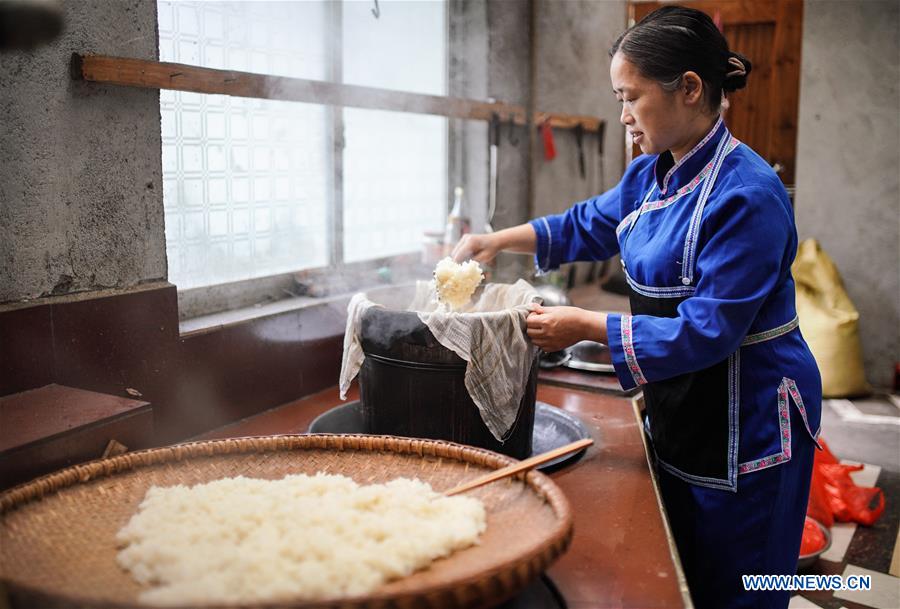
(254, 188)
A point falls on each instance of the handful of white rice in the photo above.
(455, 283)
(303, 537)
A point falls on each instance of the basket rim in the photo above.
(537, 560)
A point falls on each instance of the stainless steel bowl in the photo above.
(591, 356)
(554, 359)
(553, 296)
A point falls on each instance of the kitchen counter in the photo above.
(620, 554)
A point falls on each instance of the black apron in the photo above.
(692, 416)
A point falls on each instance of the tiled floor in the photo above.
(863, 431)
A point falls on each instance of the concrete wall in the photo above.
(848, 160)
(572, 76)
(509, 79)
(569, 42)
(80, 171)
(468, 155)
(489, 58)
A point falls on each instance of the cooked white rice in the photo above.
(455, 283)
(302, 537)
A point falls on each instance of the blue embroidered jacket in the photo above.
(729, 256)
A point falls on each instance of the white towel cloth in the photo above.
(488, 333)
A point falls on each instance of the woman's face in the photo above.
(653, 116)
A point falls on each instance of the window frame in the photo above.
(320, 282)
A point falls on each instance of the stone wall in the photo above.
(573, 40)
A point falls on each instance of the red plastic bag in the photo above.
(818, 507)
(848, 501)
(834, 496)
(825, 456)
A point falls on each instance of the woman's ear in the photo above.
(692, 87)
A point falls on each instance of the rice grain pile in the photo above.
(303, 537)
(455, 283)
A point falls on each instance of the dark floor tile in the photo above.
(872, 547)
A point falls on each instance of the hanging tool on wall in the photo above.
(599, 270)
(601, 132)
(611, 277)
(511, 133)
(578, 130)
(579, 142)
(493, 169)
(547, 137)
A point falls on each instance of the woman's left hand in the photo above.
(555, 328)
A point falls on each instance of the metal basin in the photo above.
(807, 560)
(591, 356)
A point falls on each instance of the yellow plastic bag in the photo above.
(829, 322)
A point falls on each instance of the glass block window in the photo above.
(248, 184)
(395, 164)
(395, 176)
(269, 37)
(404, 50)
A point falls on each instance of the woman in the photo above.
(706, 234)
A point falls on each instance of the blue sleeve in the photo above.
(745, 251)
(586, 231)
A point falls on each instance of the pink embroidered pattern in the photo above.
(625, 222)
(628, 348)
(798, 400)
(784, 424)
(760, 337)
(701, 144)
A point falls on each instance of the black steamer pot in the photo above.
(411, 385)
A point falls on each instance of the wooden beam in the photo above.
(146, 74)
(785, 98)
(730, 11)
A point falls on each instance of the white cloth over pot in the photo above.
(488, 333)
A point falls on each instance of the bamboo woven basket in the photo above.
(57, 533)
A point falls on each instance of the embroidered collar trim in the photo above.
(685, 158)
(689, 187)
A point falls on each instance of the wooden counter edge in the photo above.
(636, 403)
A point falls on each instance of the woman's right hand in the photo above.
(485, 247)
(480, 247)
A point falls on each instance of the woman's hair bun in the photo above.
(736, 72)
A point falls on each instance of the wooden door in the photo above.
(763, 115)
